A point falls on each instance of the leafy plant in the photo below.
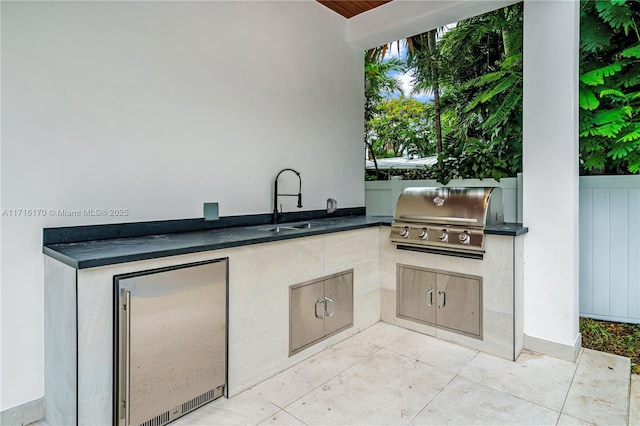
(479, 64)
(379, 85)
(475, 69)
(401, 126)
(610, 87)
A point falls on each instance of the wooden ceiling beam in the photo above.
(351, 8)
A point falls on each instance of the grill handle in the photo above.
(127, 359)
(439, 219)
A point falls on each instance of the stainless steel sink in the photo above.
(303, 225)
(285, 227)
(269, 229)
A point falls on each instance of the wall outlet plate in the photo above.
(211, 211)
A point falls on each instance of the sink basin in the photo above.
(285, 227)
(270, 229)
(304, 225)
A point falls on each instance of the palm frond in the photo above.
(503, 113)
(596, 77)
(594, 36)
(631, 52)
(617, 15)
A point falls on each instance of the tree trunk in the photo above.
(431, 39)
(373, 157)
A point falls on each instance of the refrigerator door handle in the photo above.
(127, 358)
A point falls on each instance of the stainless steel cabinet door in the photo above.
(338, 299)
(459, 303)
(306, 310)
(172, 341)
(416, 294)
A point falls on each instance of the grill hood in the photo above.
(446, 219)
(475, 207)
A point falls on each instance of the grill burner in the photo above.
(446, 220)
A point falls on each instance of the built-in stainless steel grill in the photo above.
(446, 220)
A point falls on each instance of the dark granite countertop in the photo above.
(103, 252)
(507, 229)
(128, 248)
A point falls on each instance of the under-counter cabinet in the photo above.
(443, 299)
(319, 308)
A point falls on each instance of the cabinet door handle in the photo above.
(333, 305)
(430, 297)
(127, 358)
(322, 310)
(443, 298)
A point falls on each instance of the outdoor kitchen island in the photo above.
(263, 265)
(500, 273)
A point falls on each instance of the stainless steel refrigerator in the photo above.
(171, 334)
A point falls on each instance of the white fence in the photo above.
(609, 235)
(610, 248)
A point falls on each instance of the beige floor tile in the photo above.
(41, 422)
(387, 388)
(634, 401)
(302, 378)
(464, 402)
(387, 375)
(433, 351)
(566, 420)
(282, 418)
(537, 378)
(247, 408)
(381, 334)
(599, 392)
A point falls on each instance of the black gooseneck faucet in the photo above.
(276, 195)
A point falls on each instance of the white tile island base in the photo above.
(79, 310)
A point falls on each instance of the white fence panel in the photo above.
(610, 248)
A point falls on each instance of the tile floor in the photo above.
(387, 375)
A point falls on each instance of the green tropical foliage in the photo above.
(473, 71)
(401, 125)
(379, 85)
(482, 69)
(610, 87)
(424, 57)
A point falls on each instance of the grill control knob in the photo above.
(438, 201)
(464, 238)
(423, 235)
(405, 233)
(444, 237)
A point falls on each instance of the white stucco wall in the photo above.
(550, 170)
(157, 107)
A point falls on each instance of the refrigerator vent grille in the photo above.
(198, 401)
(158, 420)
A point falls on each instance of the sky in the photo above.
(405, 80)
